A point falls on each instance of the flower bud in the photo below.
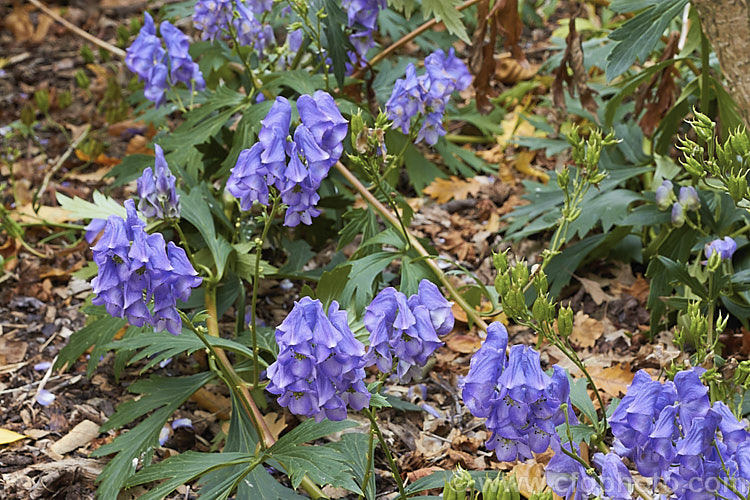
(359, 138)
(540, 283)
(664, 195)
(541, 310)
(740, 142)
(563, 178)
(520, 273)
(678, 215)
(693, 167)
(502, 284)
(737, 187)
(565, 321)
(714, 261)
(704, 127)
(689, 198)
(500, 260)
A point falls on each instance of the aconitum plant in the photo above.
(426, 96)
(294, 165)
(521, 403)
(140, 277)
(319, 371)
(404, 332)
(225, 19)
(362, 17)
(157, 190)
(159, 68)
(725, 247)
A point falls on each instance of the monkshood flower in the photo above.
(664, 195)
(725, 247)
(614, 475)
(159, 68)
(568, 478)
(157, 191)
(295, 165)
(406, 329)
(140, 277)
(678, 215)
(214, 18)
(522, 404)
(689, 198)
(362, 17)
(320, 367)
(427, 95)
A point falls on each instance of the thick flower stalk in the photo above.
(157, 190)
(320, 367)
(140, 277)
(427, 95)
(404, 332)
(521, 403)
(159, 68)
(295, 165)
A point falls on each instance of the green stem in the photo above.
(370, 462)
(256, 278)
(176, 225)
(394, 466)
(239, 387)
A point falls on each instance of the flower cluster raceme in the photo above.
(295, 165)
(406, 329)
(217, 19)
(362, 17)
(427, 95)
(140, 277)
(687, 201)
(160, 68)
(672, 431)
(521, 403)
(320, 367)
(568, 477)
(157, 191)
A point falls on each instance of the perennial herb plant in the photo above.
(271, 143)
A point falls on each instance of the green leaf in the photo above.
(446, 11)
(322, 465)
(354, 447)
(420, 170)
(129, 169)
(195, 209)
(245, 265)
(362, 277)
(163, 394)
(437, 480)
(677, 273)
(101, 208)
(579, 432)
(580, 398)
(97, 333)
(299, 80)
(258, 484)
(337, 42)
(332, 284)
(185, 467)
(639, 35)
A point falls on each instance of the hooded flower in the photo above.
(320, 367)
(725, 247)
(157, 191)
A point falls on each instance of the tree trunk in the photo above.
(726, 24)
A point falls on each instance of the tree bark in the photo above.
(726, 24)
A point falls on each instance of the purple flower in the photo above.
(182, 422)
(689, 198)
(211, 17)
(320, 367)
(428, 94)
(441, 315)
(182, 67)
(522, 404)
(157, 191)
(44, 365)
(145, 51)
(664, 195)
(726, 248)
(568, 478)
(44, 397)
(362, 17)
(296, 165)
(164, 434)
(250, 31)
(615, 476)
(404, 329)
(678, 215)
(94, 228)
(137, 270)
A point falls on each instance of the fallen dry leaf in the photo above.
(586, 330)
(80, 435)
(420, 473)
(594, 289)
(444, 190)
(509, 70)
(276, 423)
(522, 163)
(7, 437)
(465, 344)
(530, 478)
(12, 351)
(614, 380)
(19, 23)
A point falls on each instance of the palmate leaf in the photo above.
(195, 209)
(323, 465)
(580, 398)
(337, 42)
(101, 208)
(97, 333)
(353, 446)
(163, 394)
(446, 11)
(186, 467)
(362, 277)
